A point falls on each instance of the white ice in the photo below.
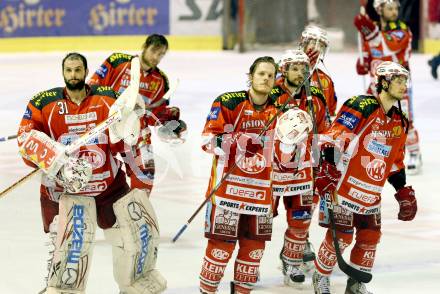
(408, 257)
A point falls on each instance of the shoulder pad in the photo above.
(232, 99)
(365, 104)
(117, 58)
(104, 91)
(45, 97)
(318, 93)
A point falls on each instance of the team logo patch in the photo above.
(213, 114)
(102, 71)
(219, 254)
(27, 113)
(252, 165)
(256, 254)
(376, 169)
(348, 120)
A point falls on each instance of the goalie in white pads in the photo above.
(86, 187)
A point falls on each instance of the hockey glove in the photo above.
(327, 178)
(169, 113)
(407, 203)
(363, 69)
(366, 26)
(313, 56)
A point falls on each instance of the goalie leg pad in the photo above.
(135, 239)
(74, 245)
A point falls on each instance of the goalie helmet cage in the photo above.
(260, 24)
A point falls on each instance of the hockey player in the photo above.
(115, 73)
(293, 181)
(315, 39)
(389, 40)
(86, 187)
(241, 207)
(364, 148)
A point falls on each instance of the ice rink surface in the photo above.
(408, 257)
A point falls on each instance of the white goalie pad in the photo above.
(293, 126)
(74, 245)
(131, 106)
(135, 240)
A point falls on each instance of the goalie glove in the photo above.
(69, 172)
(173, 132)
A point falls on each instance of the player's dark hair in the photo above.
(155, 40)
(262, 59)
(380, 87)
(75, 55)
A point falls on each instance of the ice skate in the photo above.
(321, 284)
(293, 275)
(355, 287)
(414, 163)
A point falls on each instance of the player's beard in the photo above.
(147, 62)
(295, 83)
(75, 87)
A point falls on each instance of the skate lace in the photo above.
(362, 289)
(292, 269)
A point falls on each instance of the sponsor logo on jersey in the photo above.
(252, 165)
(398, 34)
(348, 120)
(252, 124)
(378, 148)
(227, 96)
(397, 131)
(352, 206)
(248, 181)
(100, 176)
(27, 113)
(80, 118)
(94, 187)
(248, 112)
(241, 206)
(219, 254)
(213, 113)
(284, 177)
(376, 169)
(298, 188)
(301, 214)
(245, 192)
(102, 71)
(362, 196)
(96, 157)
(364, 185)
(77, 129)
(256, 254)
(376, 53)
(382, 134)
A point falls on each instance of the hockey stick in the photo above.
(131, 94)
(6, 138)
(208, 198)
(346, 268)
(360, 47)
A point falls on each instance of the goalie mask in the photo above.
(315, 38)
(293, 126)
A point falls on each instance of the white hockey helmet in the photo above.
(293, 56)
(293, 126)
(317, 34)
(389, 69)
(377, 4)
